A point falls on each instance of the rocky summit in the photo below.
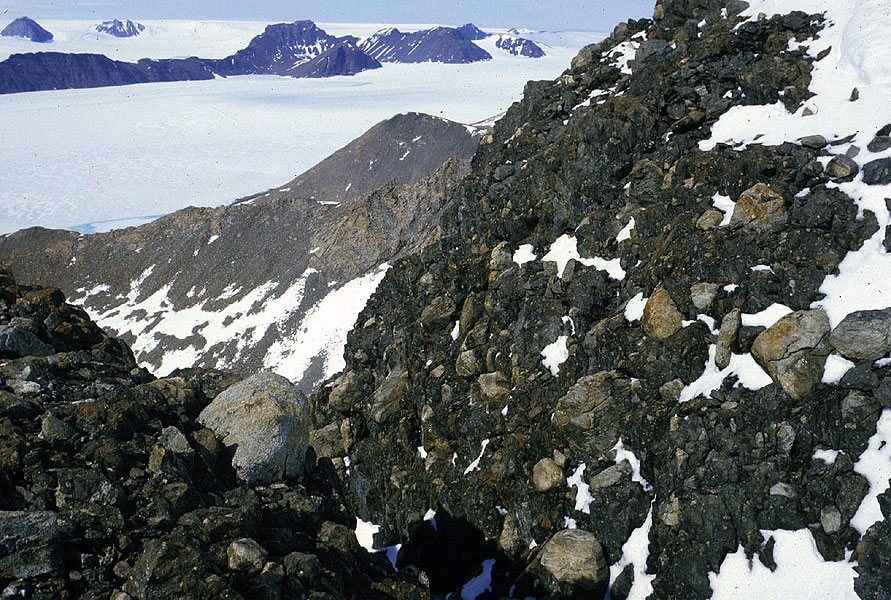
(644, 353)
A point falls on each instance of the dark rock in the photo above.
(246, 555)
(29, 544)
(863, 335)
(813, 141)
(472, 32)
(880, 143)
(842, 167)
(20, 338)
(343, 59)
(877, 172)
(518, 46)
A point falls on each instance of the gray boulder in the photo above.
(863, 335)
(265, 419)
(877, 172)
(793, 351)
(19, 338)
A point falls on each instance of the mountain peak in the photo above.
(122, 29)
(27, 28)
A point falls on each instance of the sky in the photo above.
(536, 14)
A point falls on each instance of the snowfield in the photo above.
(122, 155)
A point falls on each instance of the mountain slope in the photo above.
(343, 59)
(403, 148)
(286, 307)
(632, 346)
(440, 44)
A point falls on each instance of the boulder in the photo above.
(18, 338)
(438, 313)
(661, 318)
(29, 544)
(265, 419)
(841, 167)
(703, 294)
(546, 475)
(246, 555)
(759, 209)
(730, 325)
(793, 351)
(863, 335)
(570, 565)
(590, 396)
(877, 172)
(494, 386)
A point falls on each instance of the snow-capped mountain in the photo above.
(518, 46)
(121, 29)
(29, 29)
(280, 48)
(440, 44)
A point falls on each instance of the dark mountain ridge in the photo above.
(282, 49)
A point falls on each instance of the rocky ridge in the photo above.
(114, 484)
(299, 49)
(617, 335)
(323, 236)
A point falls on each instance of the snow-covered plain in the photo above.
(79, 157)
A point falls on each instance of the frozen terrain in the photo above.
(75, 158)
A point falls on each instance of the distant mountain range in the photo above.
(299, 49)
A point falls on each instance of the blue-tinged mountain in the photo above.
(297, 49)
(27, 28)
(440, 44)
(279, 49)
(343, 59)
(472, 32)
(59, 71)
(121, 29)
(519, 46)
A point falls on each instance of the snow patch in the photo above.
(625, 234)
(634, 309)
(524, 254)
(555, 354)
(836, 367)
(875, 465)
(749, 374)
(767, 317)
(583, 497)
(565, 248)
(801, 573)
(473, 466)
